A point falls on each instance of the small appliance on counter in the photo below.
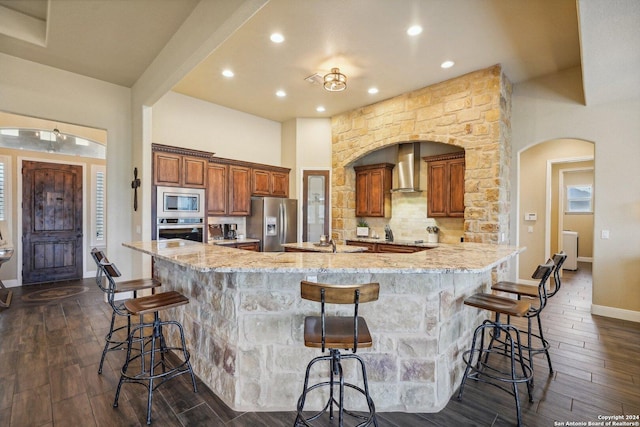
(388, 234)
(230, 231)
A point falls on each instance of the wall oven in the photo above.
(180, 213)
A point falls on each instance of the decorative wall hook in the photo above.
(135, 184)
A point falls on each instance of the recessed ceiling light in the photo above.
(414, 30)
(320, 109)
(447, 64)
(227, 73)
(281, 93)
(277, 38)
(373, 90)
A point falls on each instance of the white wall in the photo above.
(187, 122)
(40, 91)
(551, 107)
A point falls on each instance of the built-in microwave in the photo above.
(177, 202)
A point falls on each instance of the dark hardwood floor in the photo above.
(49, 355)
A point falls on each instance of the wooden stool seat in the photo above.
(153, 303)
(498, 304)
(520, 289)
(137, 285)
(339, 332)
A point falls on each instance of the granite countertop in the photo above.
(458, 257)
(315, 247)
(223, 242)
(419, 243)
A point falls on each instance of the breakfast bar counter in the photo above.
(244, 321)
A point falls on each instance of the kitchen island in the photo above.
(317, 247)
(244, 322)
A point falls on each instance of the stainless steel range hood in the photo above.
(408, 168)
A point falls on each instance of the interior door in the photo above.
(315, 205)
(51, 222)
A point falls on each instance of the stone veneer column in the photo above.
(472, 111)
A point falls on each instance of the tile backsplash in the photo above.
(409, 220)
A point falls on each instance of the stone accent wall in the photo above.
(472, 111)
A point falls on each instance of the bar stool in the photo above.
(531, 291)
(117, 308)
(334, 333)
(152, 304)
(476, 359)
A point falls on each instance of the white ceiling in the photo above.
(116, 41)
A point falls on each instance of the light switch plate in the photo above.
(530, 216)
(604, 234)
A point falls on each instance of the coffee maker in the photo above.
(230, 231)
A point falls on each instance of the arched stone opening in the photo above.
(472, 112)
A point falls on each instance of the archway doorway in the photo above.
(26, 139)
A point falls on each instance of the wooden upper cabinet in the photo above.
(239, 190)
(269, 183)
(175, 167)
(280, 184)
(373, 190)
(194, 172)
(261, 183)
(167, 169)
(217, 189)
(445, 187)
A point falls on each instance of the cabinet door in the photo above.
(456, 188)
(251, 246)
(239, 190)
(217, 189)
(371, 247)
(376, 192)
(437, 189)
(279, 184)
(195, 172)
(260, 183)
(397, 249)
(167, 169)
(362, 193)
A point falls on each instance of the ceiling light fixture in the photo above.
(447, 64)
(335, 81)
(414, 30)
(227, 73)
(277, 38)
(373, 90)
(281, 93)
(320, 109)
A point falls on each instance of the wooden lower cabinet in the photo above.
(249, 246)
(397, 249)
(384, 247)
(371, 247)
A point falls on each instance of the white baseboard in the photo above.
(13, 283)
(585, 259)
(616, 313)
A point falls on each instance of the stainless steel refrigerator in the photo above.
(273, 220)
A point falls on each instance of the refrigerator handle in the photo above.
(283, 223)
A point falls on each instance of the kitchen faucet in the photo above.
(388, 234)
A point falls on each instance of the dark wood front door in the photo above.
(51, 222)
